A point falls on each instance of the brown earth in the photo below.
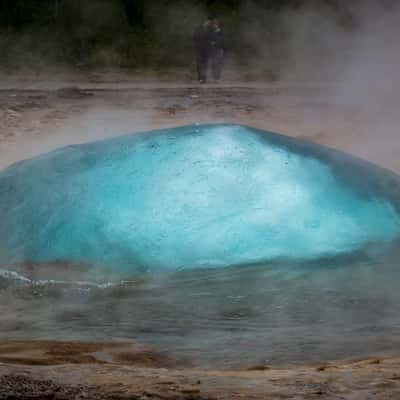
(76, 370)
(58, 353)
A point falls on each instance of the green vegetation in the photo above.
(140, 33)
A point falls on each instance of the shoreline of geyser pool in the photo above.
(71, 369)
(47, 352)
(195, 197)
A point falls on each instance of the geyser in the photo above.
(195, 196)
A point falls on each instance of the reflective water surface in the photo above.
(223, 317)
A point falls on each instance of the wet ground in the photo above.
(96, 372)
(39, 115)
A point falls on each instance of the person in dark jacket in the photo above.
(217, 49)
(201, 44)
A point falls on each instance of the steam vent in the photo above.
(193, 197)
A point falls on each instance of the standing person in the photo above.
(201, 44)
(217, 49)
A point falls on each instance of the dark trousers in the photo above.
(202, 65)
(217, 59)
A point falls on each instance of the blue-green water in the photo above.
(191, 197)
(221, 244)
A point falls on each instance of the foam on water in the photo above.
(19, 279)
(196, 196)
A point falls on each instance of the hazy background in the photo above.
(347, 49)
(265, 39)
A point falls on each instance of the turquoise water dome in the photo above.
(193, 197)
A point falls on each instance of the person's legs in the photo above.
(202, 63)
(216, 64)
(213, 66)
(198, 67)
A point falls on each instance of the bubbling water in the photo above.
(222, 244)
(194, 197)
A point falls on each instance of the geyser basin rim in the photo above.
(194, 196)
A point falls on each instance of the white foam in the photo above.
(12, 275)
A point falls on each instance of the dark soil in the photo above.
(19, 387)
